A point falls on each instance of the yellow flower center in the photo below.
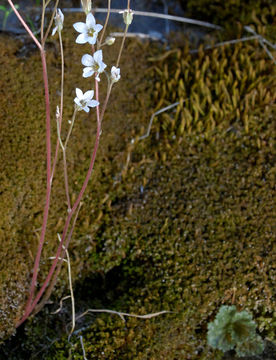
(91, 32)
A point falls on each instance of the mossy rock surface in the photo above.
(233, 13)
(186, 226)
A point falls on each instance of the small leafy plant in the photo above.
(234, 330)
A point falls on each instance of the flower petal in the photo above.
(61, 15)
(80, 27)
(87, 72)
(93, 103)
(98, 56)
(79, 93)
(54, 31)
(92, 39)
(77, 101)
(87, 60)
(98, 27)
(90, 21)
(88, 95)
(102, 66)
(82, 39)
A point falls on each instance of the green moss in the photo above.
(183, 243)
(233, 13)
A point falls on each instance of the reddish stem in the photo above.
(57, 271)
(48, 150)
(48, 191)
(67, 223)
(29, 31)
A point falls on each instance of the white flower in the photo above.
(115, 74)
(94, 64)
(128, 16)
(89, 30)
(87, 6)
(84, 100)
(59, 19)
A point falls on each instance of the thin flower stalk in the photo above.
(51, 21)
(124, 37)
(106, 101)
(66, 180)
(61, 104)
(71, 293)
(65, 161)
(105, 24)
(71, 128)
(42, 21)
(115, 76)
(122, 46)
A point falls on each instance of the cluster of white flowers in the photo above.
(93, 64)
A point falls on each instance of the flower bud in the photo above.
(110, 40)
(87, 6)
(115, 74)
(59, 19)
(128, 16)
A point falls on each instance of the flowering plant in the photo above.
(94, 66)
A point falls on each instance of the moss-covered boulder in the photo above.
(233, 13)
(180, 221)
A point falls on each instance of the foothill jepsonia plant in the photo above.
(93, 36)
(232, 329)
